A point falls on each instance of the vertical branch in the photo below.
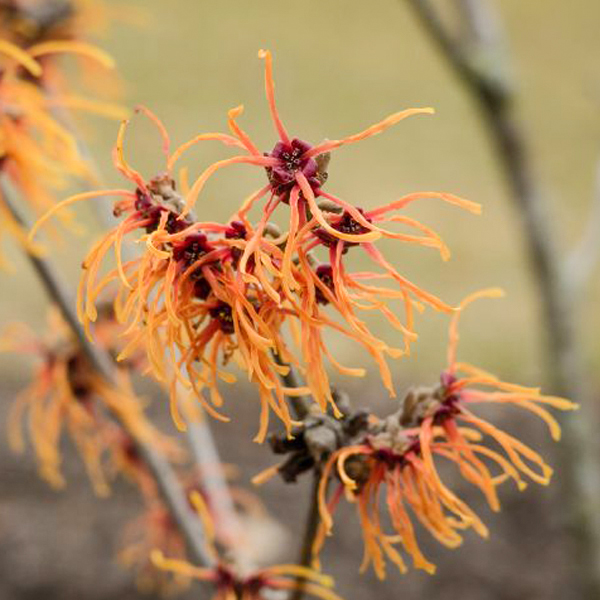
(213, 481)
(580, 264)
(300, 404)
(481, 66)
(311, 527)
(166, 480)
(301, 408)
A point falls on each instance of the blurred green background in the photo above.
(341, 65)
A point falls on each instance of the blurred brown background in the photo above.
(339, 66)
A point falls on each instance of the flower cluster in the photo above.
(155, 530)
(205, 293)
(38, 153)
(397, 459)
(255, 586)
(204, 298)
(66, 397)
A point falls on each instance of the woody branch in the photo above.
(480, 62)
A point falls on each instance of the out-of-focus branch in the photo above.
(199, 434)
(214, 484)
(482, 66)
(579, 266)
(166, 480)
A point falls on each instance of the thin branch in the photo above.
(482, 67)
(213, 483)
(166, 480)
(580, 264)
(311, 527)
(300, 404)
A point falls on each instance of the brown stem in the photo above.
(476, 65)
(300, 404)
(301, 408)
(311, 527)
(166, 480)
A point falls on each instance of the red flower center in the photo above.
(290, 157)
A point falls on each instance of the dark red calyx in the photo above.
(143, 200)
(236, 230)
(389, 458)
(202, 287)
(447, 379)
(223, 313)
(152, 210)
(448, 410)
(253, 585)
(348, 224)
(394, 459)
(225, 579)
(450, 401)
(77, 369)
(290, 160)
(161, 197)
(129, 449)
(345, 224)
(325, 274)
(191, 249)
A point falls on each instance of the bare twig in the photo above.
(311, 527)
(580, 264)
(166, 480)
(482, 67)
(300, 404)
(213, 482)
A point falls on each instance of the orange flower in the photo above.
(399, 454)
(397, 466)
(448, 408)
(37, 152)
(297, 173)
(230, 586)
(195, 310)
(207, 292)
(151, 531)
(66, 396)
